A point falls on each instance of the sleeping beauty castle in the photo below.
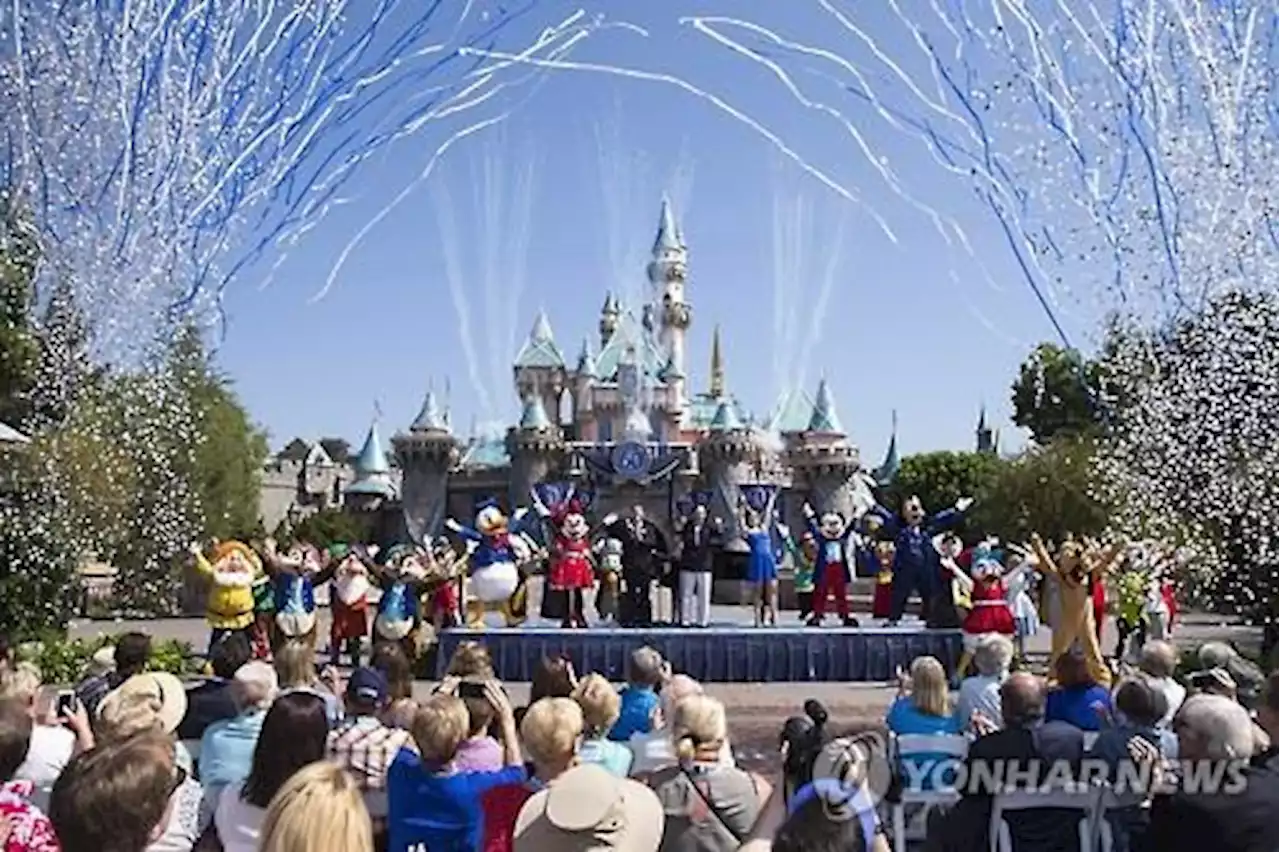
(623, 421)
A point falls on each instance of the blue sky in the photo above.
(920, 326)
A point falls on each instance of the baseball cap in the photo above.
(588, 809)
(367, 684)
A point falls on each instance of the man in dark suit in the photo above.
(642, 556)
(1027, 748)
(699, 541)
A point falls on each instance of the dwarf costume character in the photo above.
(229, 606)
(610, 563)
(1071, 572)
(443, 600)
(803, 556)
(495, 583)
(831, 570)
(916, 565)
(264, 615)
(295, 575)
(349, 602)
(882, 597)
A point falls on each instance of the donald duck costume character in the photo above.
(229, 607)
(495, 582)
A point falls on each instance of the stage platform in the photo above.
(718, 654)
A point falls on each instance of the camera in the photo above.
(801, 742)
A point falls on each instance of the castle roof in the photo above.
(824, 417)
(650, 358)
(795, 412)
(726, 418)
(670, 370)
(431, 418)
(668, 237)
(703, 408)
(586, 361)
(486, 453)
(371, 468)
(534, 416)
(540, 350)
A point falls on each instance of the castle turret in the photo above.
(585, 376)
(535, 446)
(986, 438)
(724, 458)
(888, 468)
(717, 366)
(824, 460)
(372, 483)
(426, 453)
(667, 271)
(539, 366)
(610, 317)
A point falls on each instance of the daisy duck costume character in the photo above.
(916, 562)
(835, 539)
(495, 583)
(349, 601)
(232, 571)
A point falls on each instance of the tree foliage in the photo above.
(1194, 445)
(326, 527)
(19, 258)
(939, 479)
(1057, 394)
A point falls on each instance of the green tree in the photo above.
(940, 479)
(19, 258)
(1048, 490)
(1057, 393)
(331, 526)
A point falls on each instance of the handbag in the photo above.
(711, 806)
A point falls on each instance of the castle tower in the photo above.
(539, 366)
(610, 316)
(667, 271)
(584, 381)
(535, 447)
(986, 438)
(724, 457)
(824, 460)
(426, 453)
(372, 483)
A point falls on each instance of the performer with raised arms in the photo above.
(762, 561)
(495, 583)
(1071, 570)
(834, 536)
(916, 565)
(349, 602)
(229, 606)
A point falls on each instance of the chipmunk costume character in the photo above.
(610, 563)
(443, 601)
(1075, 624)
(495, 582)
(403, 581)
(229, 607)
(349, 601)
(296, 573)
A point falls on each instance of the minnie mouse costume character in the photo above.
(572, 570)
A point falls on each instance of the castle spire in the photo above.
(889, 467)
(824, 417)
(540, 350)
(430, 418)
(717, 365)
(668, 237)
(373, 473)
(986, 439)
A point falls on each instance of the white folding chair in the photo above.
(1089, 738)
(1110, 800)
(954, 746)
(1078, 797)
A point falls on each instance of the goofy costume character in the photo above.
(916, 567)
(349, 601)
(834, 537)
(495, 582)
(229, 606)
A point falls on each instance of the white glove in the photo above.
(963, 503)
(452, 525)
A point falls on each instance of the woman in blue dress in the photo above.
(762, 563)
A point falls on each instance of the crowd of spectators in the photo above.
(284, 757)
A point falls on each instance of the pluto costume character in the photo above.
(229, 607)
(1075, 624)
(495, 583)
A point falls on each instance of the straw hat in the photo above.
(165, 688)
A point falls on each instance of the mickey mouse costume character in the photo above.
(832, 569)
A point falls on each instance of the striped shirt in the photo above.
(365, 747)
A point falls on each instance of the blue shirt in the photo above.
(440, 813)
(614, 757)
(635, 715)
(1075, 705)
(905, 718)
(226, 749)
